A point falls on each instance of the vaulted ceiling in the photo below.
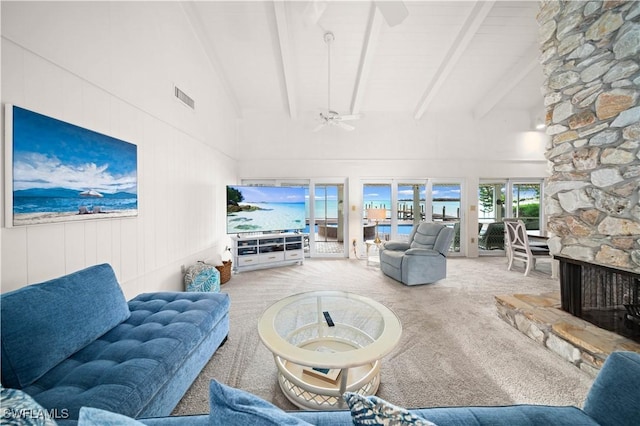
(411, 57)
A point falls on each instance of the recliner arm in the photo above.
(396, 245)
(422, 252)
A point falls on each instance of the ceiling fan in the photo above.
(331, 117)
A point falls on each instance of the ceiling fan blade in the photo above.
(345, 126)
(348, 117)
(319, 127)
(394, 12)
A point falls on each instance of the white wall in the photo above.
(393, 146)
(111, 67)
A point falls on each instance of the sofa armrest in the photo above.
(614, 395)
(395, 245)
(422, 252)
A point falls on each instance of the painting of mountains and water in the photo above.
(61, 172)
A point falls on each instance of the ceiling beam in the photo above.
(366, 58)
(198, 27)
(285, 55)
(508, 81)
(394, 12)
(477, 15)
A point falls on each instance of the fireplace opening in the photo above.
(606, 297)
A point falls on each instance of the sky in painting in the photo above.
(272, 194)
(49, 153)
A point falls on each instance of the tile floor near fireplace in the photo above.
(577, 341)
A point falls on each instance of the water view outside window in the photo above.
(376, 196)
(445, 203)
(328, 212)
(411, 204)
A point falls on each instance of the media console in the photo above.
(267, 251)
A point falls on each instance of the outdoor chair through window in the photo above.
(493, 238)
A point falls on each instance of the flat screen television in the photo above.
(265, 208)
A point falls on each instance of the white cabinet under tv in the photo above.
(267, 251)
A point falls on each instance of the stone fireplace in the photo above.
(590, 55)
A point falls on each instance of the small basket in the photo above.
(225, 271)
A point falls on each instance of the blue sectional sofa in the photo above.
(613, 400)
(75, 341)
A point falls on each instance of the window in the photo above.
(526, 204)
(494, 199)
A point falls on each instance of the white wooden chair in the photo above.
(518, 248)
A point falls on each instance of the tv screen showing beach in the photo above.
(62, 172)
(265, 209)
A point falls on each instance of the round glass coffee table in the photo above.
(326, 343)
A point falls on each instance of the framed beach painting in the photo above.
(59, 172)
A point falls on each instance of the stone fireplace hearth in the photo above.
(577, 341)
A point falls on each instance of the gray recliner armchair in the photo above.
(421, 260)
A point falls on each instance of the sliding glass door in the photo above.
(408, 203)
(446, 207)
(499, 199)
(328, 219)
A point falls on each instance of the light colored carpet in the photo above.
(454, 349)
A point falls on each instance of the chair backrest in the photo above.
(413, 232)
(433, 236)
(517, 235)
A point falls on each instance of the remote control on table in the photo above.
(327, 317)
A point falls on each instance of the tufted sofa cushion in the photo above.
(122, 370)
(42, 324)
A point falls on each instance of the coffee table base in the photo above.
(310, 393)
(344, 333)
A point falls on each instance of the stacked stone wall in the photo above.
(590, 53)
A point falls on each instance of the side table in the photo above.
(372, 258)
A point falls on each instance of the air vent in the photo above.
(185, 98)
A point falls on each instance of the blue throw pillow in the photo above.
(18, 408)
(230, 406)
(371, 410)
(90, 416)
(202, 277)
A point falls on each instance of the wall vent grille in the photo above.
(184, 98)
